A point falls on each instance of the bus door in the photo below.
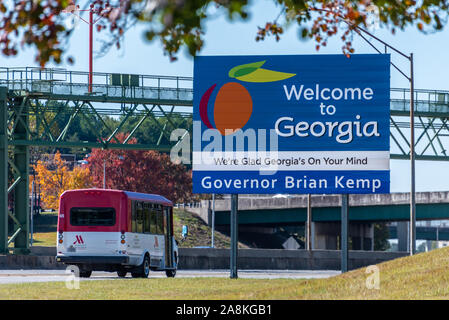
(168, 237)
(135, 242)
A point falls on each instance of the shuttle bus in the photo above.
(116, 231)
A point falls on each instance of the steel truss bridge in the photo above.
(33, 99)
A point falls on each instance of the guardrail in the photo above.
(188, 205)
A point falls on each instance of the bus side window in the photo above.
(139, 219)
(153, 219)
(160, 221)
(133, 217)
(164, 220)
(146, 218)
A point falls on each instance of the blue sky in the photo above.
(238, 38)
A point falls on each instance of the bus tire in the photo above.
(170, 273)
(85, 273)
(143, 271)
(122, 273)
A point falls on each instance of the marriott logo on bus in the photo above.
(79, 240)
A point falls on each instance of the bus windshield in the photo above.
(92, 216)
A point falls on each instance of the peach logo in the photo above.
(233, 104)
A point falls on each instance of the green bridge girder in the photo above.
(32, 99)
(424, 233)
(292, 216)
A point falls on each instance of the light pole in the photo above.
(104, 173)
(410, 79)
(74, 10)
(91, 34)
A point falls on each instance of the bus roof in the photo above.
(131, 195)
(147, 196)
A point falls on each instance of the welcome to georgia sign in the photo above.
(291, 124)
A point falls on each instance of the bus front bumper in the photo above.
(93, 259)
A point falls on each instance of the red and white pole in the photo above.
(91, 25)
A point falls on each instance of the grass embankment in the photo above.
(44, 233)
(199, 232)
(423, 276)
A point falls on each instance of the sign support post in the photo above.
(234, 235)
(213, 221)
(344, 232)
(309, 223)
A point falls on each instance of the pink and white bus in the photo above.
(116, 231)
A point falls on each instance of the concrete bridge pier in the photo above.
(362, 236)
(326, 236)
(402, 232)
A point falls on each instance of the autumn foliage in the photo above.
(131, 170)
(54, 177)
(140, 171)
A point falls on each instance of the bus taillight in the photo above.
(122, 237)
(60, 237)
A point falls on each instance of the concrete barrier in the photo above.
(40, 258)
(25, 262)
(266, 259)
(208, 258)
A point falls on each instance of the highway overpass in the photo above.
(292, 209)
(263, 214)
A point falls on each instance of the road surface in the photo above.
(26, 276)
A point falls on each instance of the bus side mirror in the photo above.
(185, 232)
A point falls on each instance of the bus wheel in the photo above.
(85, 273)
(121, 273)
(170, 273)
(143, 271)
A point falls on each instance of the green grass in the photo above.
(45, 229)
(423, 276)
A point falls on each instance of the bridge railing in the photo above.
(426, 101)
(57, 81)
